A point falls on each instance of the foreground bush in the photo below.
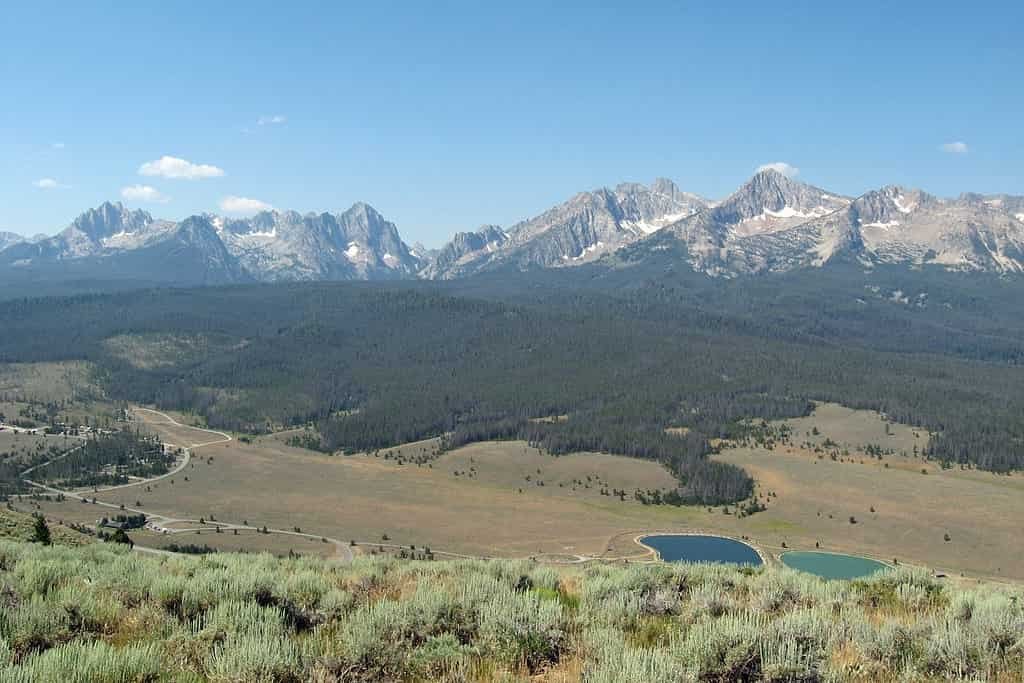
(100, 613)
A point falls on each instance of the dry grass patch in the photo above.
(856, 429)
(364, 497)
(47, 382)
(514, 464)
(249, 541)
(150, 351)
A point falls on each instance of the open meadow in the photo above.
(901, 506)
(508, 499)
(484, 499)
(842, 480)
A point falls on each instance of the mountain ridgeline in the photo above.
(113, 241)
(770, 224)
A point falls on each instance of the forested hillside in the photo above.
(622, 352)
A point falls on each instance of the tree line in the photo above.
(375, 365)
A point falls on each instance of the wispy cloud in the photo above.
(955, 147)
(173, 167)
(144, 193)
(57, 145)
(50, 184)
(265, 120)
(782, 167)
(271, 120)
(243, 206)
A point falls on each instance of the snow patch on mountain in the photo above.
(270, 246)
(580, 230)
(901, 206)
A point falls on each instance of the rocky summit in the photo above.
(772, 223)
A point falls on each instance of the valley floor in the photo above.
(505, 499)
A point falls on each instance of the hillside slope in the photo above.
(100, 613)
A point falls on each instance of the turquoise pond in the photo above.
(831, 565)
(702, 549)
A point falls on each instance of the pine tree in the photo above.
(40, 531)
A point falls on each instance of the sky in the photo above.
(445, 116)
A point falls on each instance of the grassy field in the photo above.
(156, 350)
(515, 465)
(479, 511)
(30, 386)
(486, 499)
(243, 541)
(856, 429)
(69, 511)
(506, 499)
(17, 526)
(903, 506)
(912, 511)
(46, 382)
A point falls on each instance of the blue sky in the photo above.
(446, 115)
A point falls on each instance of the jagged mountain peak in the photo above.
(905, 199)
(358, 243)
(110, 218)
(771, 223)
(462, 248)
(8, 239)
(770, 194)
(888, 207)
(581, 229)
(664, 186)
(363, 212)
(752, 227)
(271, 245)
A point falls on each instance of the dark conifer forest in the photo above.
(623, 353)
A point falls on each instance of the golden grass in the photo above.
(481, 511)
(362, 497)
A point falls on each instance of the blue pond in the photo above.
(832, 565)
(702, 549)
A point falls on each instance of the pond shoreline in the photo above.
(869, 564)
(766, 558)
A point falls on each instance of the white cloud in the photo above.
(49, 184)
(955, 147)
(782, 167)
(173, 167)
(144, 193)
(57, 145)
(243, 206)
(270, 120)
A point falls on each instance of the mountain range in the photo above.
(771, 223)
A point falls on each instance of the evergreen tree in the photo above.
(40, 531)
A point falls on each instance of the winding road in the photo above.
(159, 522)
(166, 524)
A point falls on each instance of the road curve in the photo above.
(342, 550)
